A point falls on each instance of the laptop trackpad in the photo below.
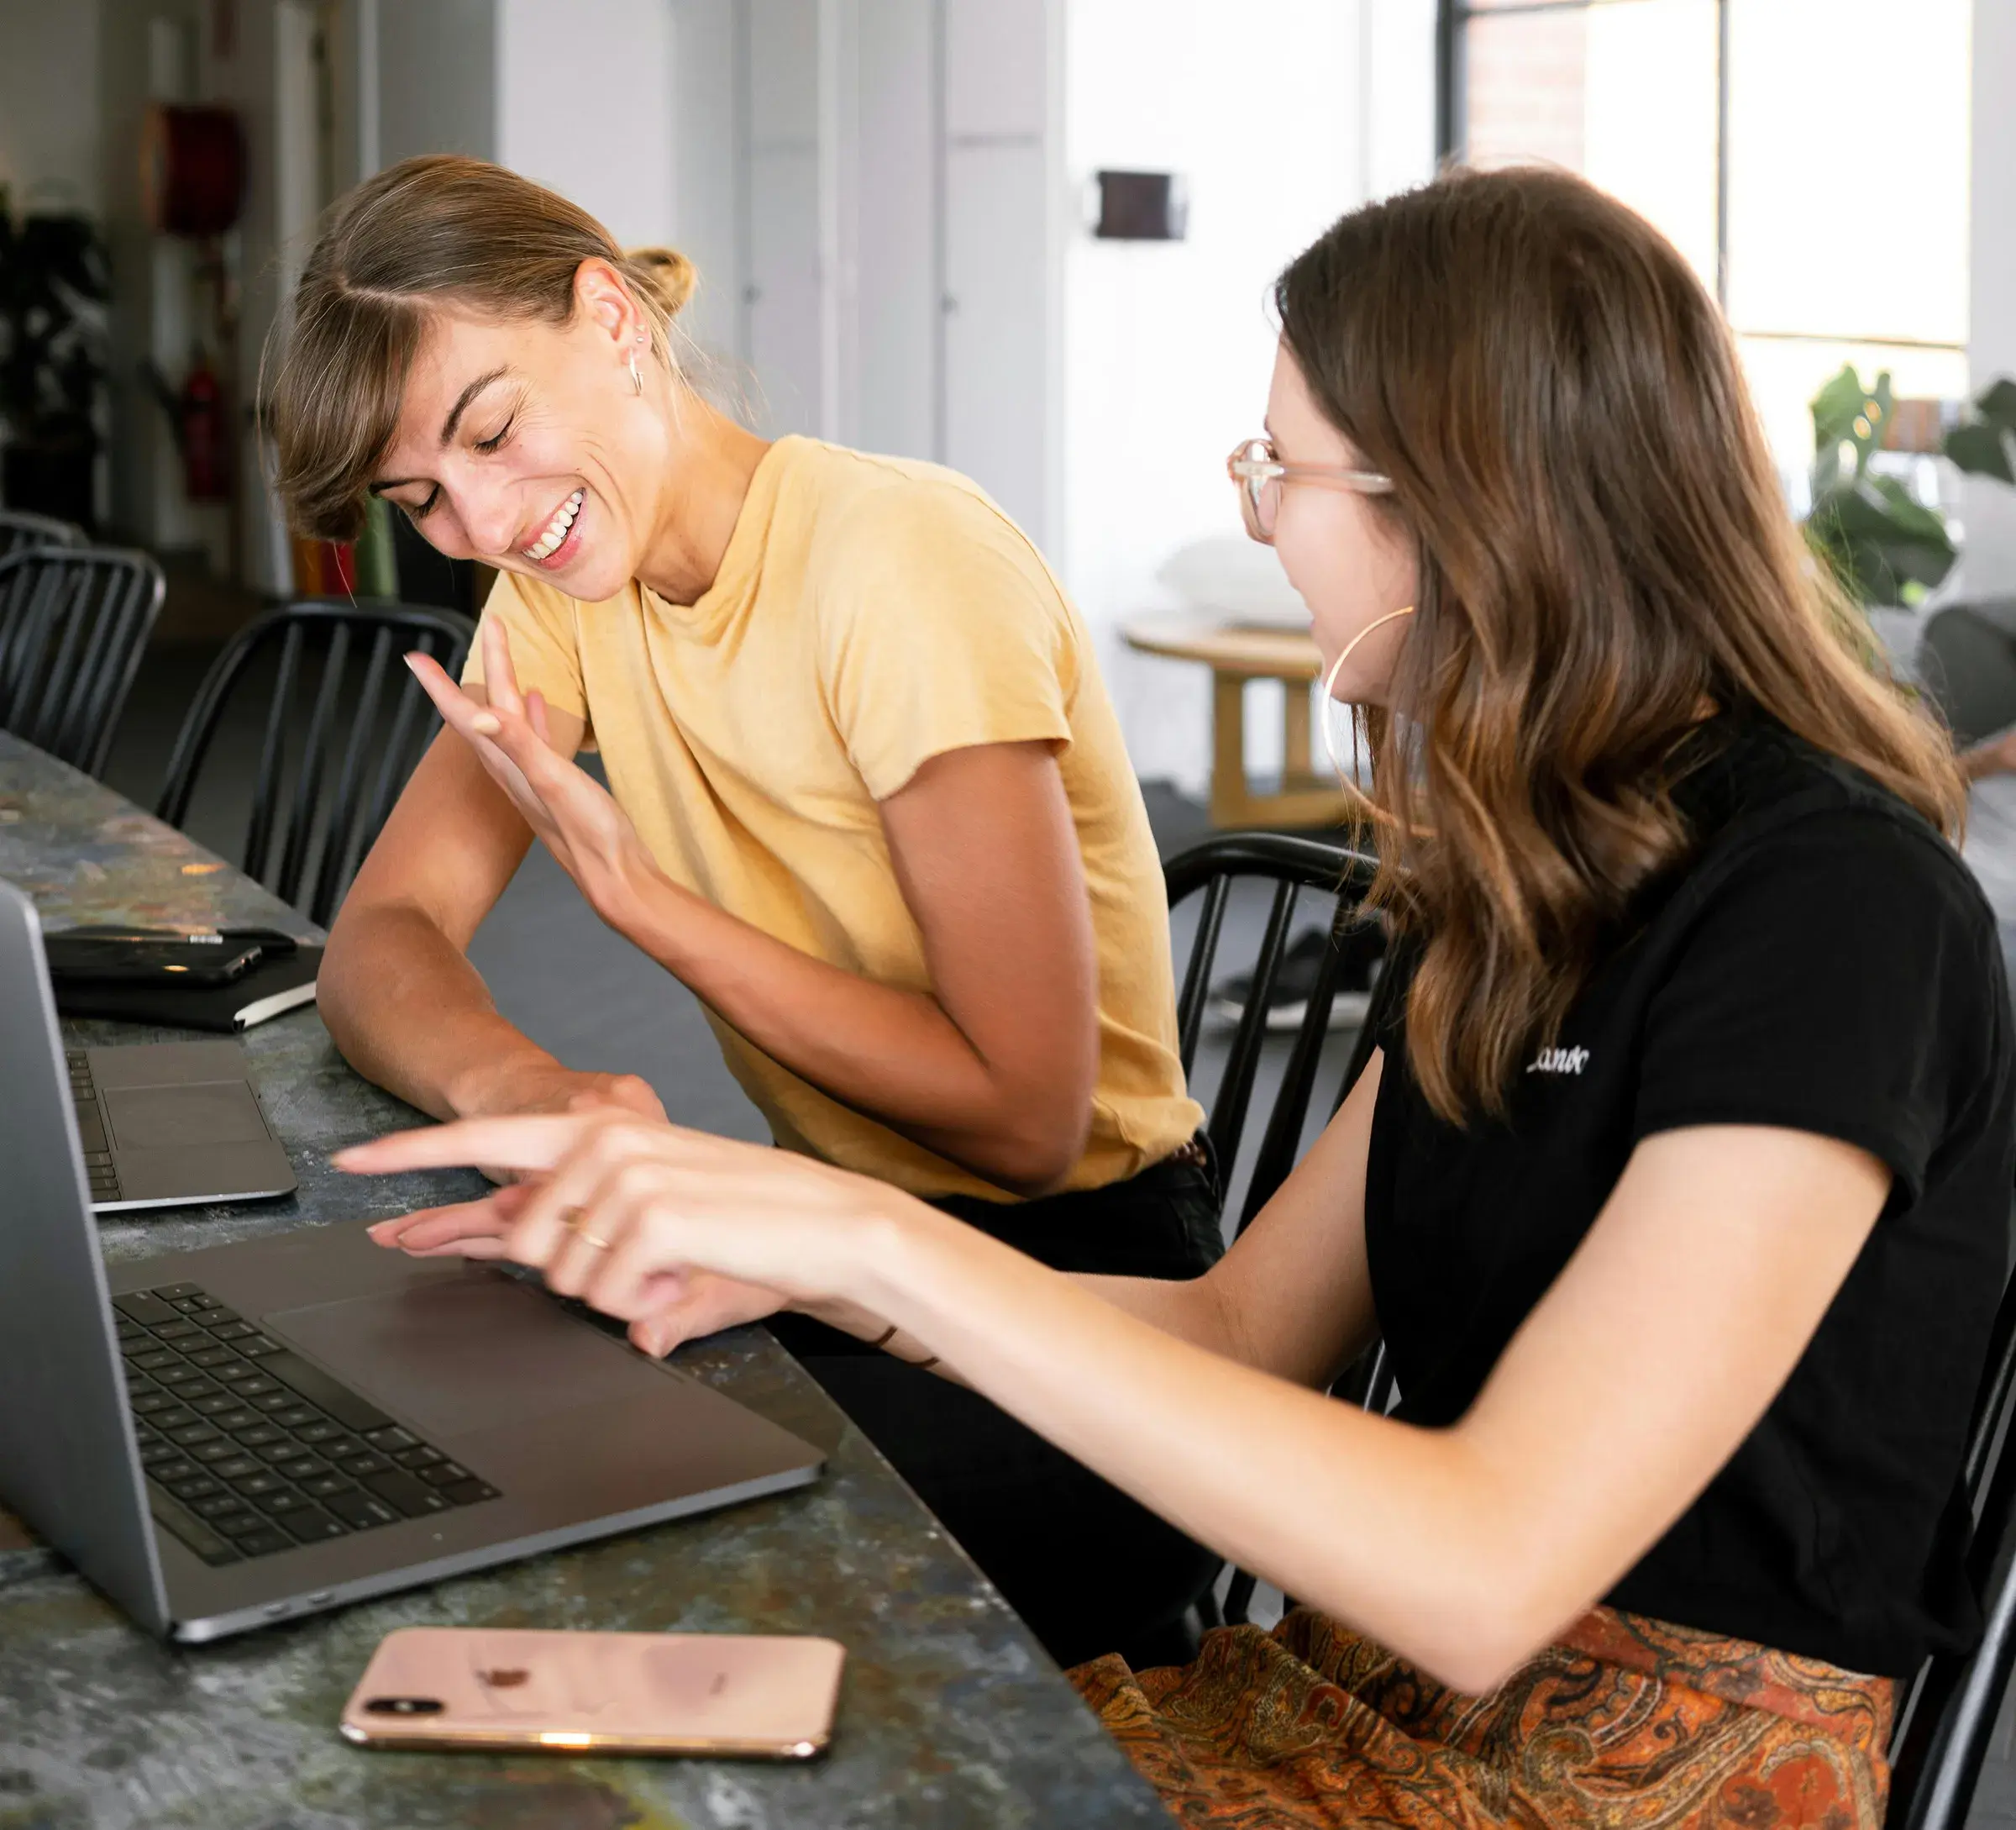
(467, 1355)
(205, 1111)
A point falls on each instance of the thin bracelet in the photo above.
(888, 1334)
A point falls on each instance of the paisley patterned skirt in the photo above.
(1626, 1723)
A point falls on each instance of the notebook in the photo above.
(283, 980)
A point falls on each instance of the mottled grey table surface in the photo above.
(950, 1713)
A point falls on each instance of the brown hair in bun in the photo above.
(666, 276)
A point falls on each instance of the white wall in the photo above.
(437, 77)
(705, 117)
(51, 144)
(585, 101)
(785, 182)
(1001, 368)
(1990, 507)
(1281, 114)
(896, 192)
(891, 279)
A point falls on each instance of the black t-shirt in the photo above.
(1821, 960)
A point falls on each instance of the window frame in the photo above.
(1451, 97)
(1451, 114)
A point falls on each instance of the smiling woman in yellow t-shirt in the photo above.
(867, 797)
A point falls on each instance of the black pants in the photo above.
(1089, 1569)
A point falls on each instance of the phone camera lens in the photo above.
(404, 1706)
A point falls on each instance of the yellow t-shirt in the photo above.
(870, 613)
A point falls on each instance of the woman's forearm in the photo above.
(1401, 1531)
(411, 1014)
(1188, 1309)
(891, 1054)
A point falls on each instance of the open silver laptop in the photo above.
(163, 1124)
(223, 1438)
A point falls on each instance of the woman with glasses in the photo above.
(1677, 1185)
(867, 797)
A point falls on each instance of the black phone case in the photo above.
(95, 960)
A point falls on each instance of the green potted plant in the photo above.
(54, 277)
(1885, 545)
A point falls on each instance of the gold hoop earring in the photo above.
(1329, 742)
(637, 381)
(1329, 680)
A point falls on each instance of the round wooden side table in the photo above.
(1236, 653)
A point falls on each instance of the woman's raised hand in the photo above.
(573, 816)
(675, 1232)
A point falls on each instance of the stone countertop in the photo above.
(950, 1712)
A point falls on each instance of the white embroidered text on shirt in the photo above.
(1560, 1062)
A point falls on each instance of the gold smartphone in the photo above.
(747, 1696)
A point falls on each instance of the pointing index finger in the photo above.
(527, 1141)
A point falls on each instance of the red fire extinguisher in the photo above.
(200, 420)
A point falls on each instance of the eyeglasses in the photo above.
(1259, 475)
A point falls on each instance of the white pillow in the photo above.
(1234, 579)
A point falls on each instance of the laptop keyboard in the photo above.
(91, 1130)
(249, 1449)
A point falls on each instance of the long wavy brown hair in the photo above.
(1604, 555)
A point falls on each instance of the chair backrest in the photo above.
(1950, 1714)
(345, 724)
(73, 623)
(19, 530)
(1293, 865)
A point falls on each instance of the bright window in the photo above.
(1810, 160)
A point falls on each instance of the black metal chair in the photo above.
(73, 623)
(20, 531)
(319, 798)
(1948, 1714)
(1293, 866)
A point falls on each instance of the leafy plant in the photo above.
(1884, 545)
(54, 274)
